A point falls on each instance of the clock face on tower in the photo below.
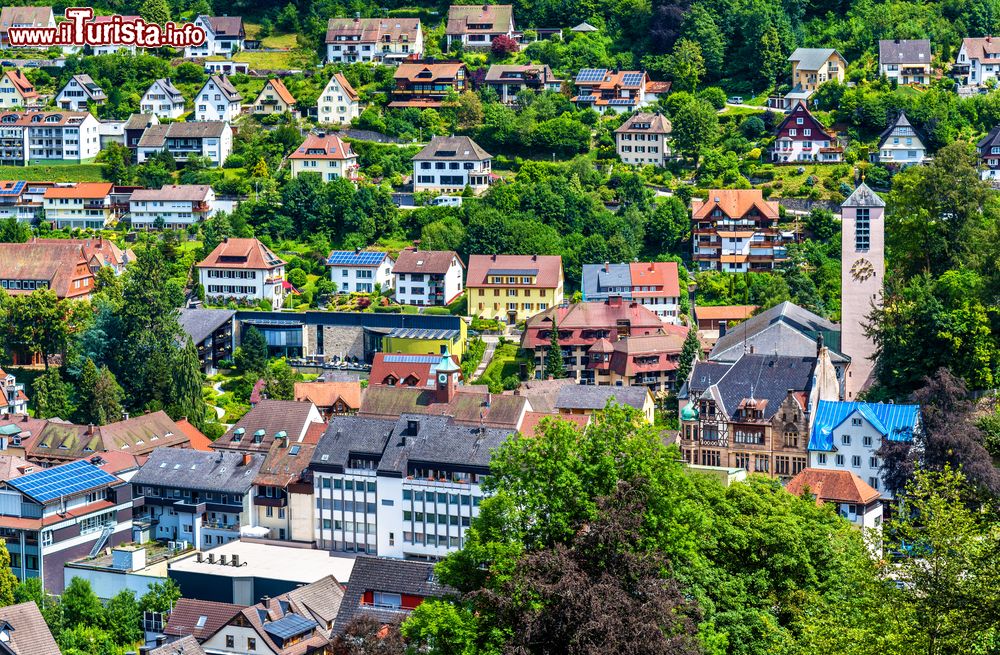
(862, 270)
(443, 378)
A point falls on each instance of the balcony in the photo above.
(94, 204)
(265, 501)
(220, 525)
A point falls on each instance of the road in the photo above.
(491, 341)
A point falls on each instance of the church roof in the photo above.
(863, 196)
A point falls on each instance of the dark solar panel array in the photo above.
(350, 257)
(632, 79)
(591, 74)
(411, 359)
(14, 190)
(289, 626)
(66, 480)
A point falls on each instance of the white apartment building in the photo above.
(79, 92)
(212, 139)
(174, 207)
(359, 271)
(83, 205)
(338, 103)
(325, 154)
(48, 137)
(901, 143)
(427, 277)
(644, 139)
(218, 100)
(162, 99)
(847, 435)
(448, 164)
(906, 61)
(224, 35)
(243, 270)
(381, 40)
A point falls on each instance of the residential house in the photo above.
(134, 127)
(382, 40)
(269, 421)
(162, 99)
(175, 207)
(63, 268)
(275, 98)
(736, 230)
(852, 499)
(330, 398)
(648, 360)
(22, 200)
(23, 630)
(338, 103)
(427, 85)
(110, 49)
(12, 397)
(906, 61)
(359, 271)
(218, 100)
(811, 67)
(654, 285)
(404, 370)
(198, 619)
(590, 400)
(800, 137)
(475, 26)
(211, 139)
(48, 137)
(754, 414)
(620, 91)
(847, 436)
(427, 277)
(100, 252)
(200, 498)
(245, 270)
(450, 164)
(511, 288)
(644, 139)
(510, 79)
(283, 490)
(989, 154)
(79, 93)
(184, 646)
(400, 488)
(901, 143)
(226, 67)
(387, 590)
(211, 331)
(83, 205)
(978, 61)
(326, 154)
(16, 90)
(23, 17)
(224, 35)
(55, 515)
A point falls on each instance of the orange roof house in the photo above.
(330, 397)
(61, 267)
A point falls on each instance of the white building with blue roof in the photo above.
(360, 270)
(847, 436)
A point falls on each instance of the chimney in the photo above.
(246, 459)
(493, 257)
(752, 349)
(160, 640)
(534, 258)
(225, 240)
(607, 267)
(357, 17)
(90, 430)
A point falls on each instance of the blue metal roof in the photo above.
(355, 258)
(894, 422)
(65, 480)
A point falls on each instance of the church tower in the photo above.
(862, 274)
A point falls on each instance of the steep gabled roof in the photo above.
(21, 83)
(657, 122)
(33, 16)
(224, 25)
(222, 83)
(800, 111)
(89, 86)
(187, 615)
(29, 634)
(784, 329)
(279, 88)
(437, 262)
(324, 146)
(183, 468)
(326, 394)
(764, 378)
(733, 203)
(832, 485)
(451, 148)
(271, 416)
(894, 422)
(863, 196)
(901, 121)
(54, 263)
(243, 254)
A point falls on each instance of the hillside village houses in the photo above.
(476, 25)
(244, 270)
(989, 154)
(381, 40)
(79, 93)
(427, 85)
(358, 271)
(906, 61)
(800, 137)
(427, 277)
(510, 79)
(162, 99)
(211, 139)
(512, 288)
(64, 268)
(654, 285)
(338, 103)
(620, 91)
(218, 100)
(83, 205)
(811, 67)
(13, 400)
(22, 200)
(23, 17)
(175, 206)
(978, 61)
(326, 154)
(224, 35)
(644, 139)
(449, 164)
(43, 137)
(274, 98)
(901, 143)
(736, 231)
(111, 48)
(16, 90)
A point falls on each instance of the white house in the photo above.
(854, 500)
(23, 17)
(978, 61)
(79, 92)
(450, 163)
(427, 277)
(901, 143)
(218, 100)
(175, 206)
(906, 61)
(12, 397)
(16, 90)
(243, 270)
(847, 435)
(644, 139)
(224, 35)
(360, 270)
(800, 137)
(212, 139)
(275, 98)
(326, 154)
(82, 205)
(162, 99)
(381, 40)
(338, 103)
(989, 154)
(476, 25)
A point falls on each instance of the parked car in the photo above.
(735, 100)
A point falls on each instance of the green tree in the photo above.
(771, 56)
(52, 396)
(700, 26)
(37, 322)
(297, 278)
(124, 617)
(689, 354)
(555, 368)
(441, 628)
(695, 126)
(81, 606)
(160, 597)
(686, 66)
(116, 159)
(821, 224)
(14, 231)
(279, 380)
(8, 581)
(155, 11)
(186, 396)
(668, 229)
(251, 356)
(99, 395)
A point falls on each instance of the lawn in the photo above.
(788, 182)
(63, 173)
(280, 41)
(269, 60)
(505, 365)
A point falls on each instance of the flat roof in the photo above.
(269, 561)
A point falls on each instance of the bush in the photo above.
(213, 430)
(297, 278)
(437, 311)
(714, 96)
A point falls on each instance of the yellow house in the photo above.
(327, 155)
(512, 288)
(274, 98)
(420, 341)
(814, 66)
(16, 90)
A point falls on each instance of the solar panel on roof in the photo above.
(289, 626)
(65, 480)
(621, 101)
(352, 258)
(411, 359)
(586, 98)
(14, 190)
(632, 79)
(591, 74)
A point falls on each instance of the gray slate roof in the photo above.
(29, 633)
(168, 87)
(764, 377)
(182, 468)
(452, 148)
(863, 196)
(991, 139)
(811, 59)
(597, 280)
(438, 440)
(184, 646)
(901, 121)
(351, 434)
(902, 51)
(201, 323)
(784, 329)
(596, 397)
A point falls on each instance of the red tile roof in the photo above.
(21, 84)
(734, 203)
(578, 323)
(62, 265)
(198, 441)
(832, 485)
(327, 146)
(346, 87)
(532, 419)
(662, 275)
(326, 394)
(404, 369)
(724, 312)
(241, 253)
(470, 405)
(282, 90)
(29, 634)
(437, 262)
(444, 71)
(372, 30)
(548, 267)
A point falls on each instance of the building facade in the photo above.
(906, 61)
(509, 80)
(644, 139)
(978, 61)
(16, 90)
(326, 154)
(274, 98)
(851, 498)
(162, 99)
(512, 288)
(338, 103)
(84, 205)
(62, 267)
(654, 285)
(428, 85)
(245, 270)
(380, 40)
(212, 139)
(989, 155)
(218, 100)
(48, 137)
(427, 277)
(359, 271)
(174, 207)
(449, 164)
(736, 231)
(619, 91)
(224, 35)
(79, 93)
(475, 26)
(800, 137)
(901, 143)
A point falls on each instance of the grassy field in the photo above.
(788, 182)
(268, 60)
(280, 41)
(65, 173)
